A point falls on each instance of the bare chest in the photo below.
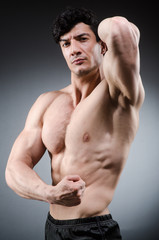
(55, 122)
(84, 126)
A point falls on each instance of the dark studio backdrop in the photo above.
(30, 64)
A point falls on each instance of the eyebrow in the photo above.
(76, 37)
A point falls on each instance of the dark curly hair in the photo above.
(66, 20)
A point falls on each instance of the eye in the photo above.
(83, 39)
(65, 44)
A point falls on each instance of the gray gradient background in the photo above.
(31, 63)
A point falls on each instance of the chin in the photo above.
(84, 72)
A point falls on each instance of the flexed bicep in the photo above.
(121, 63)
(28, 147)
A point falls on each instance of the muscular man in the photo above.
(87, 127)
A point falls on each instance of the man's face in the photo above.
(81, 50)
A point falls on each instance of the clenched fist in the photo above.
(68, 192)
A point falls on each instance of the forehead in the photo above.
(78, 29)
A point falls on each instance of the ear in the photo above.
(103, 48)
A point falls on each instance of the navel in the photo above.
(86, 137)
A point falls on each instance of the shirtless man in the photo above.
(87, 127)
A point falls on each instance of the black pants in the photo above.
(99, 228)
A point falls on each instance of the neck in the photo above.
(82, 86)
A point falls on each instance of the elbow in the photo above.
(119, 20)
(8, 178)
(12, 181)
(125, 31)
(111, 27)
(125, 35)
(118, 25)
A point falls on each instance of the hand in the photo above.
(69, 191)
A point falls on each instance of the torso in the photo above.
(91, 140)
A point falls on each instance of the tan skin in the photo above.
(87, 127)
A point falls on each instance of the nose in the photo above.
(75, 48)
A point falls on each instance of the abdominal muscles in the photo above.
(98, 166)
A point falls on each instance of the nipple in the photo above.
(86, 137)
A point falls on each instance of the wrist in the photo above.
(49, 195)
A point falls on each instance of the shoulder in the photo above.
(44, 101)
(39, 107)
(47, 98)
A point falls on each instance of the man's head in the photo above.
(76, 31)
(72, 16)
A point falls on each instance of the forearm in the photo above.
(22, 179)
(26, 183)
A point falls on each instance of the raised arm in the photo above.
(121, 63)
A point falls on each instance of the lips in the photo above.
(78, 61)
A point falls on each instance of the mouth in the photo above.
(78, 61)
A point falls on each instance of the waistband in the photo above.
(80, 220)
